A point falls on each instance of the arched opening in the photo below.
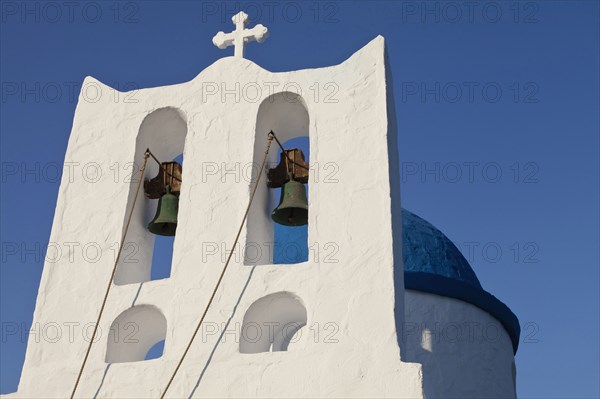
(272, 323)
(163, 131)
(134, 333)
(286, 114)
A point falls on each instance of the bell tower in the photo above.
(325, 327)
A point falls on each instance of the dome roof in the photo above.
(433, 264)
(428, 250)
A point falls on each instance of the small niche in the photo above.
(135, 333)
(272, 323)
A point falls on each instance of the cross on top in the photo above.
(240, 36)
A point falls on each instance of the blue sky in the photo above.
(498, 121)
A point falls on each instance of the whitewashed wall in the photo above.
(216, 115)
(464, 351)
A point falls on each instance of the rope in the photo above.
(285, 153)
(270, 140)
(112, 276)
(161, 167)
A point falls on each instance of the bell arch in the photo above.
(286, 114)
(163, 131)
(134, 332)
(271, 323)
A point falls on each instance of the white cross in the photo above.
(240, 36)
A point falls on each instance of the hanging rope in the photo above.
(112, 276)
(269, 141)
(161, 167)
(285, 153)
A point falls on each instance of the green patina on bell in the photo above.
(165, 221)
(293, 205)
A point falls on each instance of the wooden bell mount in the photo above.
(298, 169)
(169, 174)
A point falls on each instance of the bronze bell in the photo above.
(165, 220)
(293, 205)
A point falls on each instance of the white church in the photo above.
(396, 311)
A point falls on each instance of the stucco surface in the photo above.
(348, 347)
(464, 351)
(354, 331)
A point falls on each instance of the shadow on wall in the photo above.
(102, 381)
(223, 330)
(463, 352)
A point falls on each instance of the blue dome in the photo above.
(433, 264)
(428, 250)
